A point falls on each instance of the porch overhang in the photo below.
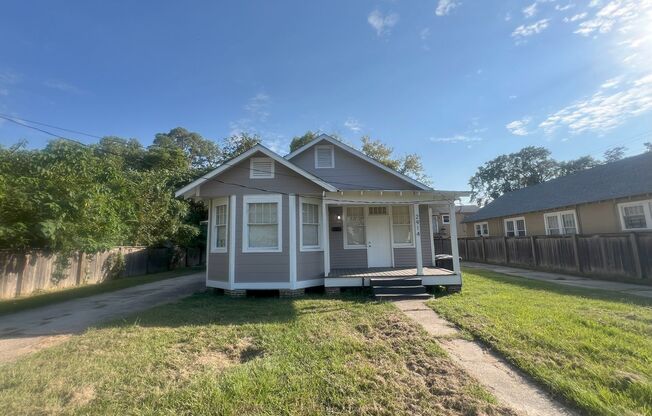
(388, 196)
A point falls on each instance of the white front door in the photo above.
(379, 247)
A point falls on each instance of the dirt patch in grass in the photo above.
(82, 396)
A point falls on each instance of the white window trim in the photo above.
(315, 201)
(646, 211)
(480, 224)
(253, 199)
(445, 222)
(213, 222)
(332, 150)
(348, 246)
(251, 168)
(559, 214)
(506, 220)
(412, 228)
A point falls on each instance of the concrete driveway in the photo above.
(28, 331)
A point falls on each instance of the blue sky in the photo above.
(458, 82)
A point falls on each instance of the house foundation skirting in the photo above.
(302, 284)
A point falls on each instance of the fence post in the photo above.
(80, 266)
(466, 248)
(505, 248)
(576, 251)
(633, 238)
(484, 251)
(533, 244)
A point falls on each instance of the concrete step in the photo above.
(400, 296)
(395, 282)
(398, 289)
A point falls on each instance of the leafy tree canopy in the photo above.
(299, 141)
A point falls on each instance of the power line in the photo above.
(6, 116)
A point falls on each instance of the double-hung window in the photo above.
(635, 215)
(354, 227)
(310, 225)
(262, 223)
(561, 223)
(515, 227)
(481, 229)
(402, 229)
(219, 234)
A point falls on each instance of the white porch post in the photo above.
(431, 237)
(417, 237)
(455, 250)
(324, 236)
(292, 212)
(231, 238)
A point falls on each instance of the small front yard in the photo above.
(212, 354)
(593, 348)
(8, 306)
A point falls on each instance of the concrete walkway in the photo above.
(504, 381)
(567, 280)
(28, 331)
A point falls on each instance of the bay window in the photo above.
(310, 220)
(354, 226)
(635, 215)
(402, 226)
(262, 223)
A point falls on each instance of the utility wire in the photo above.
(6, 117)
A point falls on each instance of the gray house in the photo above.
(324, 215)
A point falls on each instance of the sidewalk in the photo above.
(567, 280)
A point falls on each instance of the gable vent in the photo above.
(324, 157)
(261, 168)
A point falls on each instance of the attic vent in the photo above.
(324, 157)
(261, 168)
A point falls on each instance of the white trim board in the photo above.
(359, 154)
(257, 148)
(302, 284)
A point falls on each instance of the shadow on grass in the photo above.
(208, 308)
(564, 290)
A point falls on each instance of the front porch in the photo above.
(359, 277)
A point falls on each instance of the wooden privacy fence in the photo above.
(24, 273)
(621, 256)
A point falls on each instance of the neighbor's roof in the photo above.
(623, 178)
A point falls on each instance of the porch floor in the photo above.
(388, 272)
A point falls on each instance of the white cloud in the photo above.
(613, 82)
(576, 17)
(277, 143)
(561, 8)
(605, 109)
(508, 17)
(530, 10)
(519, 127)
(616, 12)
(258, 107)
(424, 34)
(528, 30)
(382, 24)
(444, 7)
(458, 138)
(63, 86)
(353, 125)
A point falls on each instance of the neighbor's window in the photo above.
(310, 224)
(515, 227)
(481, 229)
(354, 225)
(402, 225)
(635, 215)
(445, 219)
(324, 157)
(220, 218)
(563, 222)
(262, 228)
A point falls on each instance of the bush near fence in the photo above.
(618, 256)
(25, 273)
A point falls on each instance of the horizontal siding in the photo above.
(341, 258)
(218, 267)
(310, 265)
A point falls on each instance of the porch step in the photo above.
(399, 296)
(402, 290)
(395, 282)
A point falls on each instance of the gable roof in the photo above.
(623, 178)
(257, 148)
(360, 155)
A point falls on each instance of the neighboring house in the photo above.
(326, 214)
(441, 222)
(610, 198)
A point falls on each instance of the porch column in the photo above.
(455, 250)
(417, 237)
(324, 237)
(292, 213)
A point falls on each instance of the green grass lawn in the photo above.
(594, 348)
(8, 306)
(211, 354)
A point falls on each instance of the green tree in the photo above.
(237, 144)
(200, 153)
(300, 141)
(577, 165)
(648, 146)
(614, 154)
(409, 164)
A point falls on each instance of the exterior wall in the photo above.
(350, 171)
(463, 229)
(218, 267)
(593, 218)
(341, 258)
